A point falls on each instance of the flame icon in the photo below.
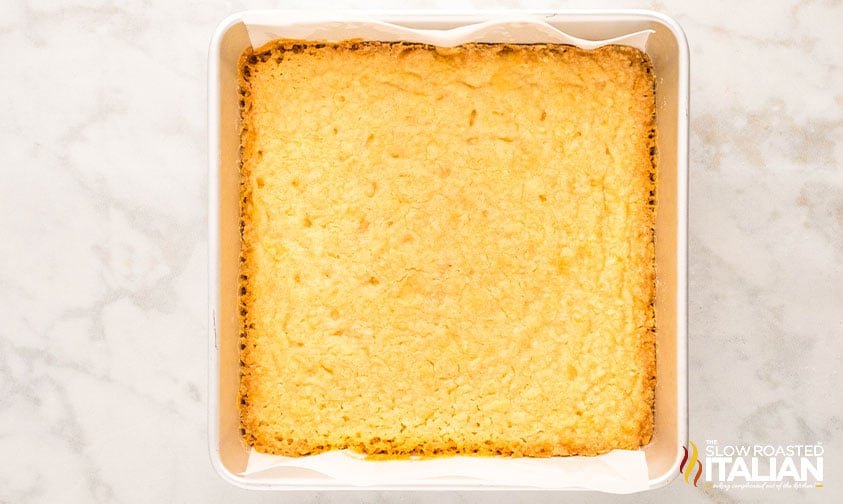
(687, 466)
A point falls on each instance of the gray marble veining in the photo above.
(103, 361)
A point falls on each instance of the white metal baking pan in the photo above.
(668, 50)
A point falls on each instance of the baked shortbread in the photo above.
(447, 250)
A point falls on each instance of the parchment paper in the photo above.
(619, 471)
(522, 29)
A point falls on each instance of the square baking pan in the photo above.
(668, 51)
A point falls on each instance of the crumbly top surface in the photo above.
(447, 250)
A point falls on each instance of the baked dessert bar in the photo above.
(447, 250)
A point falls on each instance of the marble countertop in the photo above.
(103, 246)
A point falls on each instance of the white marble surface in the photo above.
(103, 246)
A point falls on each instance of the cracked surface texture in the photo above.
(447, 250)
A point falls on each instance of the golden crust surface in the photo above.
(447, 250)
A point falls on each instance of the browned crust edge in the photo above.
(376, 446)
